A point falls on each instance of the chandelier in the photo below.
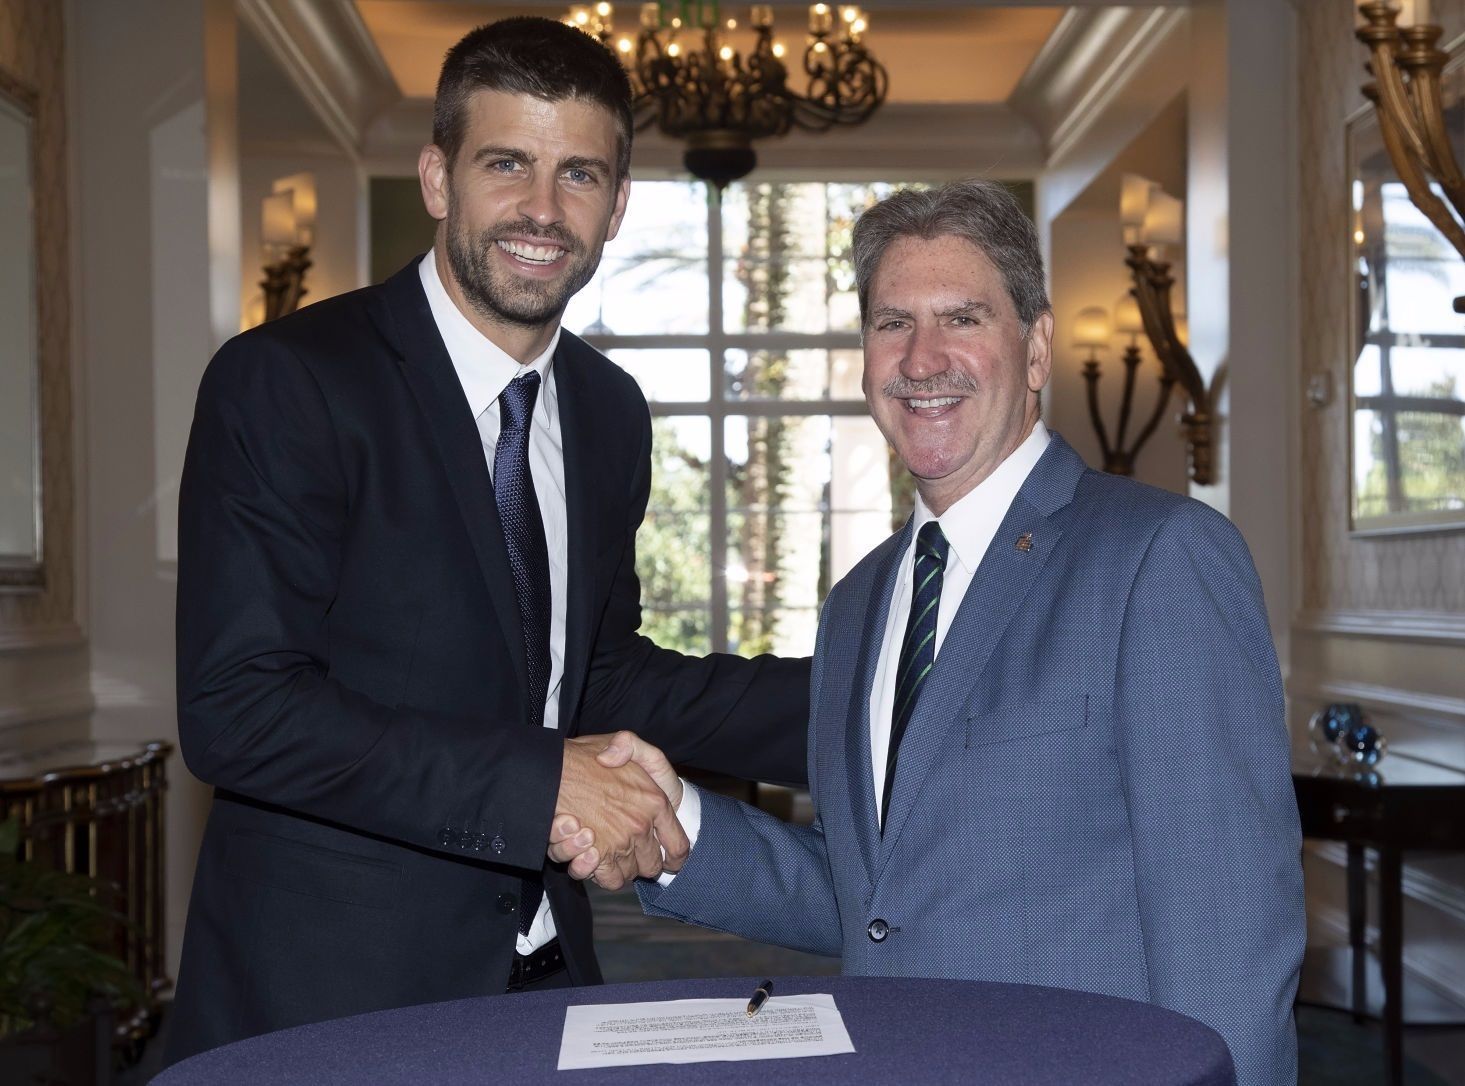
(1406, 66)
(694, 84)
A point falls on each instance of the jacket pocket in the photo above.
(1026, 720)
(311, 870)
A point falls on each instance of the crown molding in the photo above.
(1087, 60)
(325, 49)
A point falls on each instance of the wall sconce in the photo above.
(287, 231)
(1152, 220)
(1406, 97)
(1092, 331)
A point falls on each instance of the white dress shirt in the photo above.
(485, 370)
(969, 526)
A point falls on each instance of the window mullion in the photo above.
(717, 410)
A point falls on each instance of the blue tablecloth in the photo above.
(904, 1031)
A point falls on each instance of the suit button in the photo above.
(497, 844)
(507, 903)
(878, 930)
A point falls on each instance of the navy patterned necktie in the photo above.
(513, 493)
(918, 650)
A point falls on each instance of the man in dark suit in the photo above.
(1047, 742)
(407, 573)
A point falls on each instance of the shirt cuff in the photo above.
(689, 814)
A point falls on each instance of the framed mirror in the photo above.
(1407, 371)
(20, 434)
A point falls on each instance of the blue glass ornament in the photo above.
(1329, 724)
(1363, 744)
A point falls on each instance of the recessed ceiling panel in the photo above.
(965, 53)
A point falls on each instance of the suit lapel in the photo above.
(1014, 561)
(578, 429)
(871, 632)
(434, 384)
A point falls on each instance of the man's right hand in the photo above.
(635, 827)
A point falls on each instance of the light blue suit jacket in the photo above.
(1093, 793)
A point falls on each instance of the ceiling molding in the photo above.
(325, 49)
(1090, 56)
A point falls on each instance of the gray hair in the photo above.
(984, 213)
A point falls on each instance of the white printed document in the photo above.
(701, 1030)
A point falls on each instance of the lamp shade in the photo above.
(1091, 327)
(1127, 319)
(300, 187)
(1134, 201)
(277, 220)
(1164, 220)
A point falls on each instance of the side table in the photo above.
(1400, 805)
(98, 809)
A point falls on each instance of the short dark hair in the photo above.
(984, 213)
(537, 57)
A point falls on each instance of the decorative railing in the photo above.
(98, 809)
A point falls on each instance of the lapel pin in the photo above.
(1025, 542)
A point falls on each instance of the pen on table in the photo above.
(760, 997)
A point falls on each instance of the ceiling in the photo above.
(935, 53)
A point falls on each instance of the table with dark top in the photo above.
(929, 1031)
(1398, 805)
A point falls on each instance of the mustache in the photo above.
(942, 384)
(527, 228)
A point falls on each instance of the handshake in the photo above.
(615, 819)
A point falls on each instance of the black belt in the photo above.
(529, 969)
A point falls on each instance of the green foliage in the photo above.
(674, 546)
(759, 486)
(1429, 471)
(770, 538)
(54, 927)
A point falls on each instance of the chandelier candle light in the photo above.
(1151, 221)
(287, 231)
(1092, 331)
(695, 84)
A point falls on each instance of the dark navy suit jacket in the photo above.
(351, 673)
(1094, 792)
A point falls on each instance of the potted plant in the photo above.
(58, 981)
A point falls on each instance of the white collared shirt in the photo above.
(484, 370)
(969, 526)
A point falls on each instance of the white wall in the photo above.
(144, 199)
(1240, 258)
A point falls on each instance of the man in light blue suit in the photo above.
(1047, 741)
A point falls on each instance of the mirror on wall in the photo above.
(1407, 375)
(20, 437)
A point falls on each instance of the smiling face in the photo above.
(950, 378)
(526, 207)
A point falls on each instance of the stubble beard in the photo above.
(499, 296)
